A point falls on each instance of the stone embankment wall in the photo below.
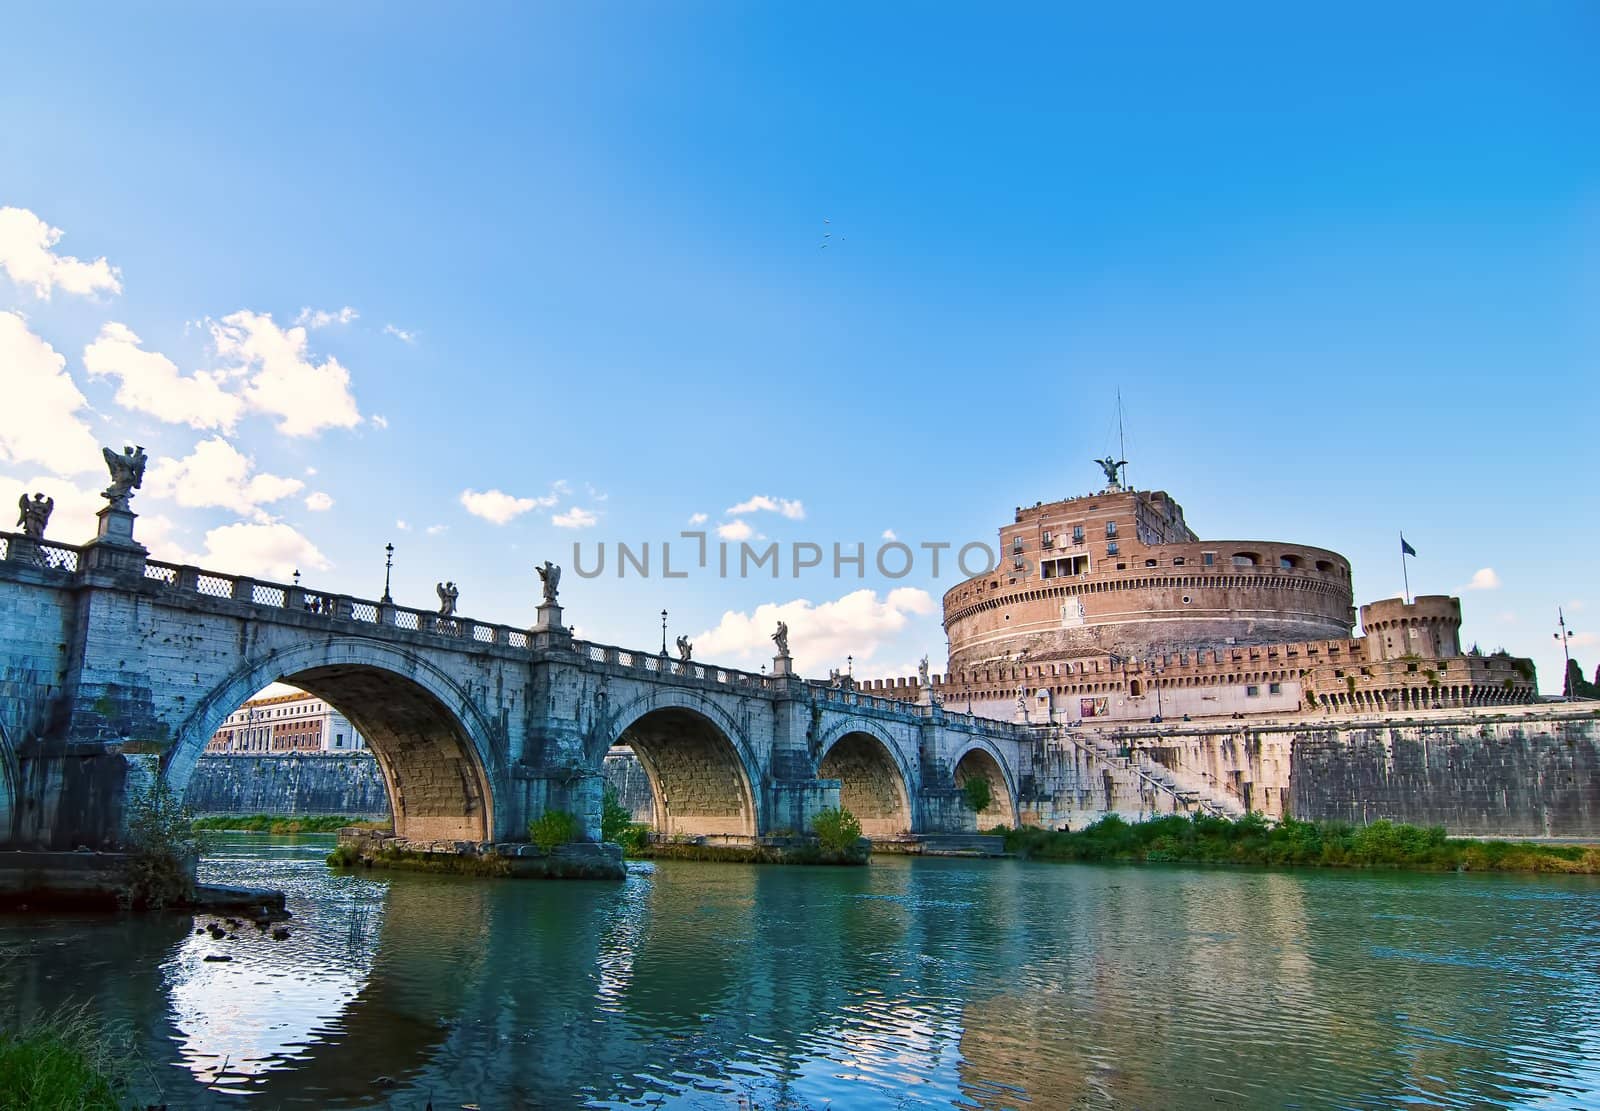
(347, 785)
(632, 784)
(1524, 777)
(1531, 771)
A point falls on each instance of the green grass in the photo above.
(62, 1062)
(267, 823)
(1250, 840)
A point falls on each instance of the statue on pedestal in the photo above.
(1113, 467)
(447, 598)
(781, 638)
(35, 515)
(923, 676)
(550, 576)
(127, 474)
(685, 648)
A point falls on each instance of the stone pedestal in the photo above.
(114, 548)
(782, 665)
(548, 619)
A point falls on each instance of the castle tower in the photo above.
(1428, 627)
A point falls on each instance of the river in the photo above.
(908, 984)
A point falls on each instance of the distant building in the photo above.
(1109, 606)
(286, 723)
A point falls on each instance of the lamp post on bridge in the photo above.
(1568, 687)
(388, 562)
(663, 632)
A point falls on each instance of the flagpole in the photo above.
(1405, 573)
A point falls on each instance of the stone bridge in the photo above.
(114, 665)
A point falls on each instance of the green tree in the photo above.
(1577, 686)
(977, 794)
(617, 824)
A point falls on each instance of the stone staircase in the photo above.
(1188, 792)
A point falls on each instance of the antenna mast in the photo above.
(1122, 448)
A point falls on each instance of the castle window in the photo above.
(1016, 543)
(1208, 558)
(1177, 561)
(1186, 599)
(1252, 691)
(1324, 566)
(1077, 534)
(1288, 562)
(1111, 528)
(1111, 547)
(1245, 559)
(1048, 541)
(1274, 688)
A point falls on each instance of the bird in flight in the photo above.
(827, 235)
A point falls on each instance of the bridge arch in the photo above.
(440, 763)
(979, 759)
(704, 778)
(874, 778)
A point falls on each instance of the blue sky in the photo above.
(1342, 264)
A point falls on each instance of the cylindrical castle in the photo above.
(1120, 573)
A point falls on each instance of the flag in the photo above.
(1406, 549)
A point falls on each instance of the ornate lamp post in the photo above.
(297, 576)
(388, 562)
(663, 632)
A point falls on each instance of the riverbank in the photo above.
(772, 850)
(270, 823)
(1251, 841)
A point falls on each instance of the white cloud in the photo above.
(400, 334)
(379, 421)
(321, 318)
(318, 502)
(1583, 640)
(498, 507)
(698, 519)
(820, 636)
(435, 530)
(311, 472)
(149, 382)
(575, 518)
(26, 255)
(888, 534)
(595, 494)
(1576, 605)
(1484, 579)
(735, 530)
(281, 378)
(218, 474)
(402, 526)
(39, 421)
(794, 510)
(269, 551)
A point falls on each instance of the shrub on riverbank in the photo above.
(838, 831)
(1250, 840)
(162, 849)
(553, 828)
(267, 823)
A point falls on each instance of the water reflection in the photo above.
(909, 984)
